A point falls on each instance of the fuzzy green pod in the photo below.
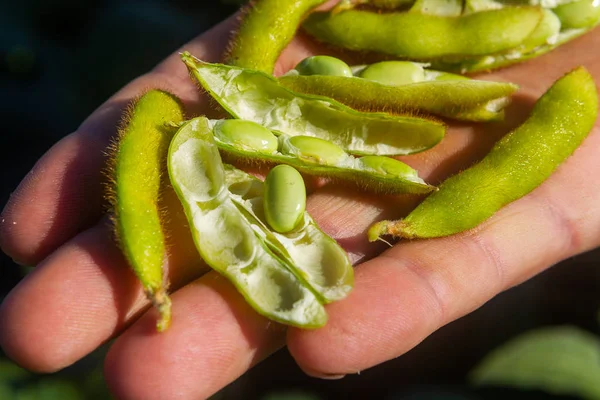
(557, 27)
(518, 163)
(139, 164)
(283, 276)
(225, 237)
(314, 156)
(425, 37)
(256, 96)
(284, 199)
(267, 27)
(514, 56)
(445, 95)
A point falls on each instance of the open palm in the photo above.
(82, 292)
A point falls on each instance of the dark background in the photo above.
(60, 59)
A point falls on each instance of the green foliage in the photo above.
(558, 360)
(17, 383)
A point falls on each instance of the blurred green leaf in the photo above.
(558, 360)
(6, 392)
(11, 372)
(49, 389)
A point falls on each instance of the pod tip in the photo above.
(397, 229)
(162, 302)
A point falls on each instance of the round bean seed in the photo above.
(388, 166)
(578, 14)
(246, 134)
(544, 33)
(446, 8)
(313, 149)
(284, 199)
(323, 65)
(394, 72)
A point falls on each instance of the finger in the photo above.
(214, 338)
(63, 193)
(416, 287)
(78, 298)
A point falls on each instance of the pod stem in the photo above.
(162, 302)
(397, 229)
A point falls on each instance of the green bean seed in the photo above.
(314, 150)
(246, 134)
(316, 259)
(285, 198)
(267, 27)
(394, 72)
(425, 37)
(445, 8)
(387, 166)
(521, 161)
(323, 65)
(544, 33)
(578, 14)
(258, 97)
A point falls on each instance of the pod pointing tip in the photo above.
(397, 229)
(188, 59)
(162, 302)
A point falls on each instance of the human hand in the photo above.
(82, 293)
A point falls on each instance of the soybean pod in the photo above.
(561, 119)
(314, 256)
(267, 27)
(285, 277)
(403, 87)
(139, 164)
(256, 96)
(562, 22)
(418, 36)
(247, 141)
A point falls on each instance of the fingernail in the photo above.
(322, 375)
